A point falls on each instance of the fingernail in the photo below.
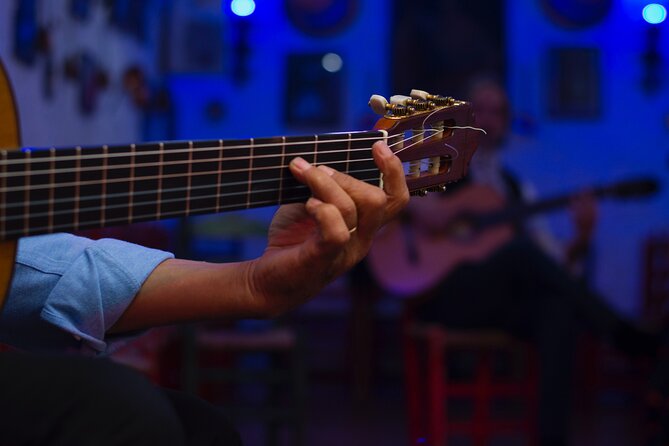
(385, 150)
(300, 163)
(329, 170)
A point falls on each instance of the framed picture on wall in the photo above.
(313, 94)
(573, 83)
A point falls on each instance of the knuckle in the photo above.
(377, 199)
(348, 209)
(340, 236)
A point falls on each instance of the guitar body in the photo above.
(9, 139)
(408, 260)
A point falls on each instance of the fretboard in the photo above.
(45, 190)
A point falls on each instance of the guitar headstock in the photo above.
(431, 134)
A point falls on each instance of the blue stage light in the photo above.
(654, 13)
(243, 8)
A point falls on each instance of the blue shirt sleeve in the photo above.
(67, 291)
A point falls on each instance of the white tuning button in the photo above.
(399, 99)
(378, 104)
(419, 94)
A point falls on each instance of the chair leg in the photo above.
(437, 397)
(415, 392)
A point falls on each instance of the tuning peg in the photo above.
(420, 94)
(399, 99)
(414, 104)
(380, 106)
(425, 96)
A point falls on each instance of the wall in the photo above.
(255, 107)
(58, 121)
(630, 137)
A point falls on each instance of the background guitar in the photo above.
(69, 189)
(409, 258)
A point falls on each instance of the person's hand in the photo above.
(311, 244)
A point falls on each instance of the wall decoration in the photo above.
(573, 85)
(26, 32)
(321, 18)
(129, 16)
(91, 78)
(202, 46)
(577, 13)
(313, 94)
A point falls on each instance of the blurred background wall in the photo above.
(208, 72)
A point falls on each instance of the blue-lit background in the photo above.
(200, 69)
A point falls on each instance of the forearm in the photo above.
(185, 291)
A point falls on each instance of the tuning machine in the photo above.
(436, 99)
(418, 193)
(381, 106)
(441, 188)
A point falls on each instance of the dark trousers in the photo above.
(69, 400)
(521, 290)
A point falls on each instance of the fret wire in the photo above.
(131, 183)
(159, 193)
(189, 176)
(177, 189)
(250, 178)
(153, 177)
(112, 221)
(166, 163)
(176, 200)
(26, 198)
(105, 163)
(119, 154)
(3, 202)
(283, 160)
(125, 166)
(77, 188)
(52, 183)
(218, 180)
(348, 154)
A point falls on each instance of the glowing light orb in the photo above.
(654, 13)
(243, 8)
(332, 62)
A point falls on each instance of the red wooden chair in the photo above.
(430, 387)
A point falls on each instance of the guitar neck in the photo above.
(520, 212)
(68, 189)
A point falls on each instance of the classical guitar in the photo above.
(408, 260)
(68, 189)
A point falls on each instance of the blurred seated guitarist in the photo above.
(519, 287)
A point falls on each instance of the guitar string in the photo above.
(152, 215)
(87, 157)
(58, 201)
(221, 146)
(152, 202)
(198, 149)
(124, 179)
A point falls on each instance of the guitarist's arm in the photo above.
(69, 292)
(308, 247)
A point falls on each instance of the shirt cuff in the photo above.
(98, 287)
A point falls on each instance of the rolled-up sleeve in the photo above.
(74, 285)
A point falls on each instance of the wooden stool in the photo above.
(280, 344)
(429, 387)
